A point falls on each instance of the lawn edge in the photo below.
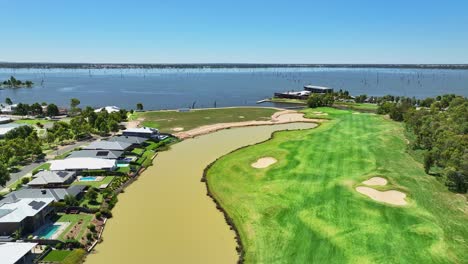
(240, 248)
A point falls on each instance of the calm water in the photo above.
(176, 88)
(166, 217)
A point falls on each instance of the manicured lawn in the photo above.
(305, 209)
(167, 120)
(57, 255)
(288, 101)
(33, 122)
(73, 219)
(65, 256)
(106, 180)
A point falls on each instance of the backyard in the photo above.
(305, 208)
(173, 121)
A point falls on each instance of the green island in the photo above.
(15, 83)
(305, 209)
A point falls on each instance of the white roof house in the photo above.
(82, 164)
(13, 252)
(108, 109)
(17, 210)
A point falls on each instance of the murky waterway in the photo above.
(166, 217)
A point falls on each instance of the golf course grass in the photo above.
(305, 209)
(167, 121)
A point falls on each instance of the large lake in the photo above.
(177, 88)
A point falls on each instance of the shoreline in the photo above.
(278, 118)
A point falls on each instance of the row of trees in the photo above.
(440, 126)
(319, 100)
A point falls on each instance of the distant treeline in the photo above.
(440, 129)
(219, 65)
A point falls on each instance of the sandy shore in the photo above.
(281, 117)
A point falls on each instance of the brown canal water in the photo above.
(166, 217)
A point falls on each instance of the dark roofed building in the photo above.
(318, 89)
(95, 153)
(57, 194)
(129, 139)
(109, 145)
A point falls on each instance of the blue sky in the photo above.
(332, 31)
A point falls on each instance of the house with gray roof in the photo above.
(95, 153)
(137, 141)
(50, 179)
(109, 145)
(145, 132)
(26, 214)
(57, 194)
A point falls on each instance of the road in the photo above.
(28, 168)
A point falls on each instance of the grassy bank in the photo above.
(304, 208)
(364, 107)
(166, 121)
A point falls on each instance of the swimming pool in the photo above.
(88, 178)
(122, 165)
(48, 231)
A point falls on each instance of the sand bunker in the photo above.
(241, 116)
(177, 129)
(264, 162)
(376, 181)
(281, 117)
(391, 197)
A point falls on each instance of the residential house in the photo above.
(82, 164)
(57, 194)
(145, 132)
(50, 179)
(17, 253)
(108, 109)
(25, 215)
(109, 145)
(96, 153)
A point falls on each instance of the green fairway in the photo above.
(167, 120)
(305, 209)
(357, 106)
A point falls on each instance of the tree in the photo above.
(36, 109)
(92, 195)
(4, 175)
(319, 100)
(74, 102)
(70, 200)
(8, 101)
(428, 162)
(52, 110)
(139, 107)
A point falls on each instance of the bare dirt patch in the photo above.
(391, 197)
(281, 117)
(264, 162)
(376, 181)
(177, 129)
